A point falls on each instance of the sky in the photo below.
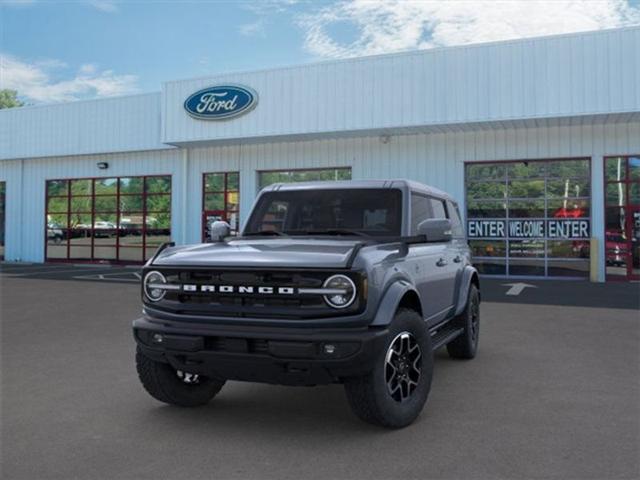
(57, 51)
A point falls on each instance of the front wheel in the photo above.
(395, 391)
(175, 387)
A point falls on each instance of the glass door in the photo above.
(622, 217)
(220, 201)
(634, 247)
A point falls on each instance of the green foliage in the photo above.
(9, 99)
(291, 176)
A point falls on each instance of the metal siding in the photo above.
(568, 75)
(120, 124)
(26, 202)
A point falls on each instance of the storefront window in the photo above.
(622, 217)
(107, 219)
(267, 178)
(529, 218)
(221, 200)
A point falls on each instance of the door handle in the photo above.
(457, 259)
(441, 262)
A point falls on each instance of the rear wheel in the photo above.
(395, 391)
(466, 345)
(175, 387)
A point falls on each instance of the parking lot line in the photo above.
(104, 277)
(50, 271)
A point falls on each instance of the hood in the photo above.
(262, 253)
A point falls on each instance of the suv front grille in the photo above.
(290, 305)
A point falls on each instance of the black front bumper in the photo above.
(279, 355)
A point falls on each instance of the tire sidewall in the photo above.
(472, 341)
(403, 413)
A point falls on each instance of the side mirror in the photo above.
(435, 229)
(219, 231)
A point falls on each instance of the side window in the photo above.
(438, 209)
(420, 210)
(456, 222)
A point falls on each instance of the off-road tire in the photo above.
(161, 381)
(369, 396)
(466, 345)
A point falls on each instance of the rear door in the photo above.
(460, 247)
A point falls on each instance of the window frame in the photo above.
(299, 170)
(225, 201)
(505, 178)
(144, 213)
(628, 206)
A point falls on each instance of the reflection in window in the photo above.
(314, 175)
(532, 191)
(526, 169)
(488, 190)
(526, 209)
(488, 248)
(615, 169)
(221, 200)
(486, 209)
(527, 248)
(107, 218)
(622, 196)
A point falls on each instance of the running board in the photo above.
(444, 335)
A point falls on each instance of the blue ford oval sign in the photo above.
(221, 102)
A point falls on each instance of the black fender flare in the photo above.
(390, 301)
(469, 275)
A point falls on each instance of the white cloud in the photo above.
(263, 7)
(253, 29)
(35, 81)
(394, 25)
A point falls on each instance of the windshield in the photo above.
(370, 212)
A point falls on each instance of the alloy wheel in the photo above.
(402, 368)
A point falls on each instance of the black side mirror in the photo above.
(219, 231)
(435, 229)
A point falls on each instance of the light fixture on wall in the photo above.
(102, 165)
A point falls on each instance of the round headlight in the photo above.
(151, 282)
(344, 291)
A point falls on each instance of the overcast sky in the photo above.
(55, 51)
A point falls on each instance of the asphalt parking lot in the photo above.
(553, 393)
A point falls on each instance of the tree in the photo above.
(9, 99)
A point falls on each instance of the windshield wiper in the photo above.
(264, 233)
(329, 231)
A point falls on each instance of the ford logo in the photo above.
(221, 102)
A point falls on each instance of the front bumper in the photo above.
(278, 355)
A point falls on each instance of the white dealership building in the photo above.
(538, 140)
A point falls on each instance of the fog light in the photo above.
(330, 349)
(157, 338)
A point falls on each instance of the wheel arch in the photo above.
(469, 277)
(400, 294)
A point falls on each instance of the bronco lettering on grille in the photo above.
(243, 289)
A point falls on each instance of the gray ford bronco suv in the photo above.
(354, 282)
